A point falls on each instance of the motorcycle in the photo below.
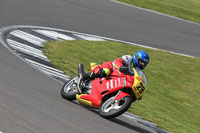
(112, 95)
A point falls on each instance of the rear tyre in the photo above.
(70, 89)
(112, 108)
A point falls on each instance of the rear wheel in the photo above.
(70, 89)
(113, 108)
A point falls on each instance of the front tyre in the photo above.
(70, 89)
(113, 108)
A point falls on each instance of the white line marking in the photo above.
(45, 34)
(28, 38)
(89, 38)
(54, 35)
(137, 118)
(145, 123)
(48, 70)
(135, 44)
(30, 52)
(73, 32)
(21, 45)
(148, 10)
(42, 65)
(106, 38)
(53, 73)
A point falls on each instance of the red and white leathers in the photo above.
(110, 66)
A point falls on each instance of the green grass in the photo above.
(172, 99)
(186, 9)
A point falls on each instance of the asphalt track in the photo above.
(30, 101)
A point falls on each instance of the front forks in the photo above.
(79, 81)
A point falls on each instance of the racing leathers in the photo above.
(105, 69)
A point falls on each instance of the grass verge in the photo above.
(173, 91)
(186, 9)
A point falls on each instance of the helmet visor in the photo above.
(142, 63)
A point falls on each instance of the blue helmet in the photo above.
(140, 59)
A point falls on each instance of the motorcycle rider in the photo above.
(123, 64)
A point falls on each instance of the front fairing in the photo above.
(114, 83)
(104, 86)
(140, 83)
(117, 81)
(141, 74)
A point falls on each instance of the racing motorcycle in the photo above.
(112, 95)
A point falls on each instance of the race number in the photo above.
(141, 88)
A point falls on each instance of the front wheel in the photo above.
(113, 108)
(70, 89)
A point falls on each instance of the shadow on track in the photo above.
(117, 120)
(128, 125)
(123, 123)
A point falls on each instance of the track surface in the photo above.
(105, 18)
(30, 101)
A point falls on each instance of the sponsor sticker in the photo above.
(107, 85)
(111, 83)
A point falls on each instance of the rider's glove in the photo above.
(89, 76)
(99, 73)
(123, 69)
(126, 70)
(92, 75)
(102, 73)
